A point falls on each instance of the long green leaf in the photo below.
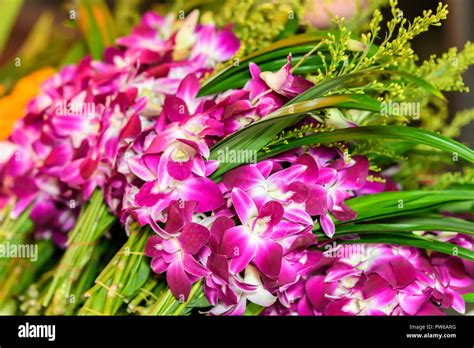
(259, 134)
(237, 77)
(391, 204)
(423, 243)
(10, 11)
(411, 224)
(408, 134)
(96, 25)
(360, 79)
(469, 297)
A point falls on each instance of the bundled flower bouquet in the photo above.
(231, 163)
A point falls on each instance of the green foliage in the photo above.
(96, 25)
(445, 72)
(257, 23)
(10, 11)
(461, 119)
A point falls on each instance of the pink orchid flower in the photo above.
(258, 239)
(176, 253)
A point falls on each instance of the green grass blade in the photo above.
(422, 243)
(360, 79)
(408, 134)
(10, 11)
(410, 224)
(96, 25)
(258, 134)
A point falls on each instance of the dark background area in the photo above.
(456, 31)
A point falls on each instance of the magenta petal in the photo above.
(326, 176)
(151, 249)
(193, 237)
(411, 304)
(178, 281)
(138, 168)
(179, 170)
(298, 215)
(340, 271)
(188, 89)
(145, 196)
(327, 225)
(158, 265)
(272, 212)
(268, 258)
(132, 129)
(430, 309)
(239, 263)
(236, 245)
(175, 221)
(316, 204)
(219, 266)
(193, 267)
(226, 45)
(244, 205)
(60, 154)
(65, 125)
(220, 225)
(287, 175)
(244, 177)
(87, 167)
(312, 172)
(175, 109)
(398, 272)
(458, 303)
(343, 213)
(354, 177)
(234, 241)
(315, 290)
(202, 190)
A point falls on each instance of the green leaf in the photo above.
(391, 204)
(253, 309)
(423, 243)
(469, 297)
(38, 38)
(237, 76)
(75, 54)
(408, 134)
(257, 135)
(96, 25)
(360, 79)
(10, 11)
(290, 29)
(409, 224)
(140, 276)
(270, 58)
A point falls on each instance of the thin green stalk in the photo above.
(121, 279)
(167, 304)
(92, 223)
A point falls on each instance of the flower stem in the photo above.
(92, 223)
(13, 232)
(167, 304)
(121, 279)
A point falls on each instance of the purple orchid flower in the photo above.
(260, 237)
(284, 82)
(175, 254)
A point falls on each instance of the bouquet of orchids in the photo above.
(187, 170)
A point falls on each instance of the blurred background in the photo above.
(37, 18)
